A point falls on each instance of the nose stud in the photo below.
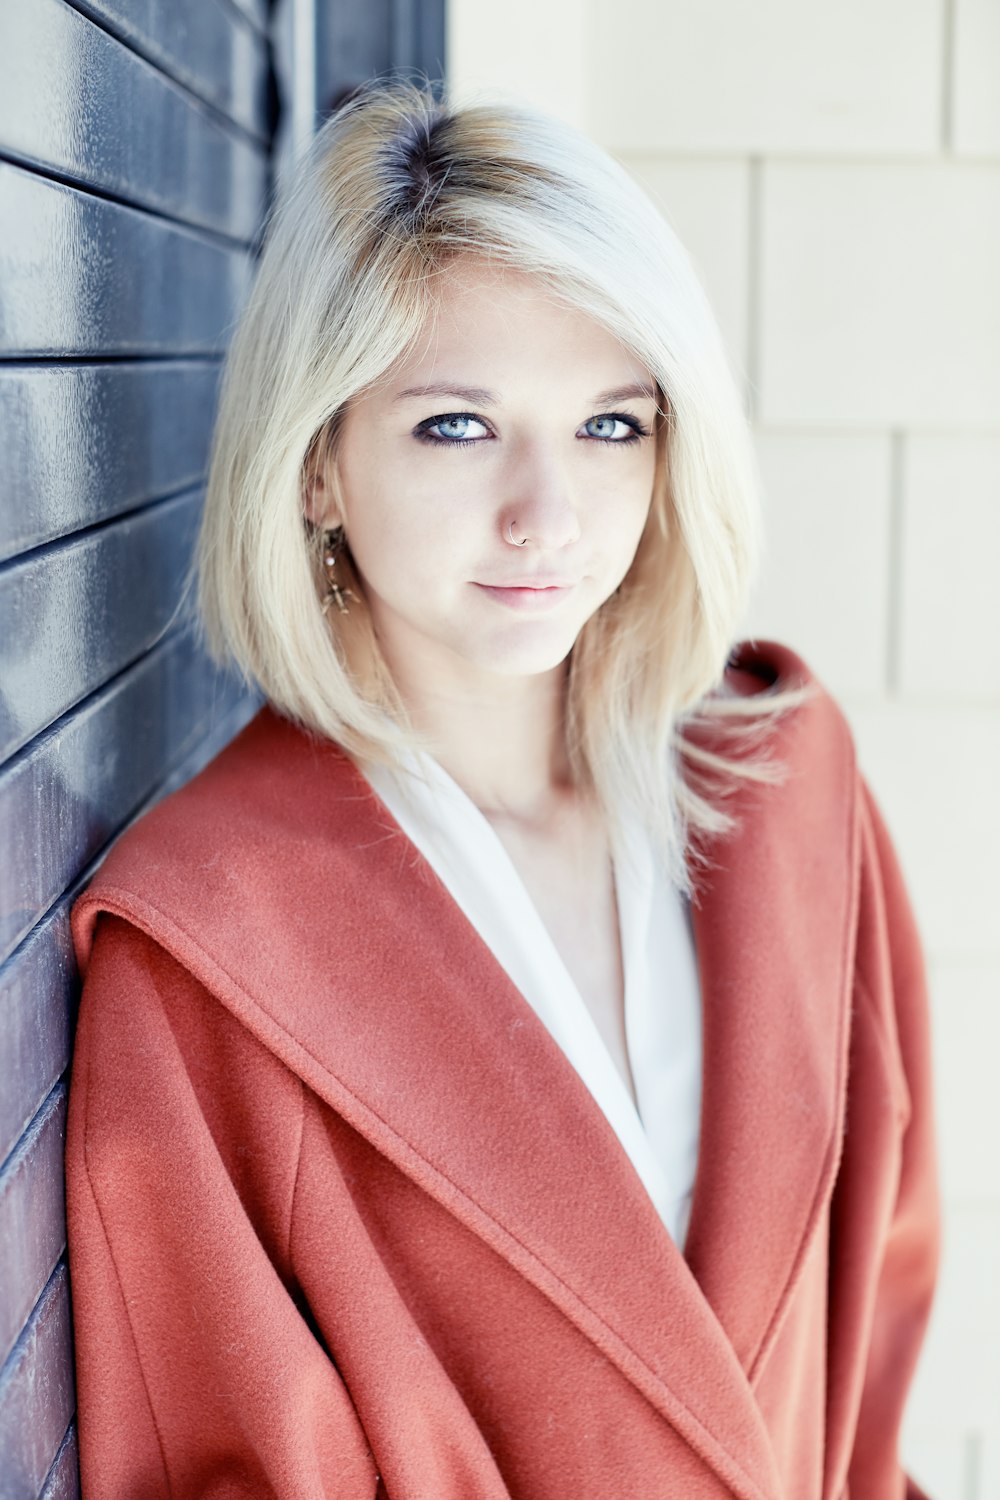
(510, 533)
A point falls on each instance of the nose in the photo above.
(541, 502)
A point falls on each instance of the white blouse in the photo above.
(662, 993)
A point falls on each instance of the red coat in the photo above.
(340, 1208)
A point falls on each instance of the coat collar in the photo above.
(411, 1037)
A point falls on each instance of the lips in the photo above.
(537, 584)
(536, 597)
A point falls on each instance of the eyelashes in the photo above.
(424, 431)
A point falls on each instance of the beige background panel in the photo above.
(966, 1316)
(822, 491)
(935, 774)
(777, 76)
(707, 203)
(950, 569)
(880, 300)
(966, 1020)
(534, 50)
(975, 83)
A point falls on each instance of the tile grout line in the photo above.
(754, 261)
(948, 24)
(972, 1465)
(894, 580)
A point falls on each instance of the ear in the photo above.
(320, 498)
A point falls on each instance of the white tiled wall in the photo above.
(781, 77)
(822, 490)
(950, 565)
(835, 174)
(972, 81)
(878, 293)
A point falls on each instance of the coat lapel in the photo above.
(774, 919)
(330, 937)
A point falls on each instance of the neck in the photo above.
(503, 741)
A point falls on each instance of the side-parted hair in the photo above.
(396, 185)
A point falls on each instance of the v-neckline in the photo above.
(461, 854)
(488, 834)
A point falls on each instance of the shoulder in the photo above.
(820, 800)
(758, 672)
(763, 666)
(771, 706)
(241, 824)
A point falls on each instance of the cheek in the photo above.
(405, 532)
(408, 502)
(373, 495)
(626, 497)
(631, 520)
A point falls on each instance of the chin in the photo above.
(528, 659)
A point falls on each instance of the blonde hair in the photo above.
(397, 184)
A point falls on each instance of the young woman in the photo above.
(504, 1071)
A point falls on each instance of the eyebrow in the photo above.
(477, 395)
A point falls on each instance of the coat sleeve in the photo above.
(891, 965)
(198, 1374)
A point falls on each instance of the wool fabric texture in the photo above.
(344, 1221)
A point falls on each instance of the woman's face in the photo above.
(517, 416)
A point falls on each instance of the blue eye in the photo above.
(451, 429)
(457, 429)
(628, 429)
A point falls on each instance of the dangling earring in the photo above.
(333, 541)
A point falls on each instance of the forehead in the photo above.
(485, 314)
